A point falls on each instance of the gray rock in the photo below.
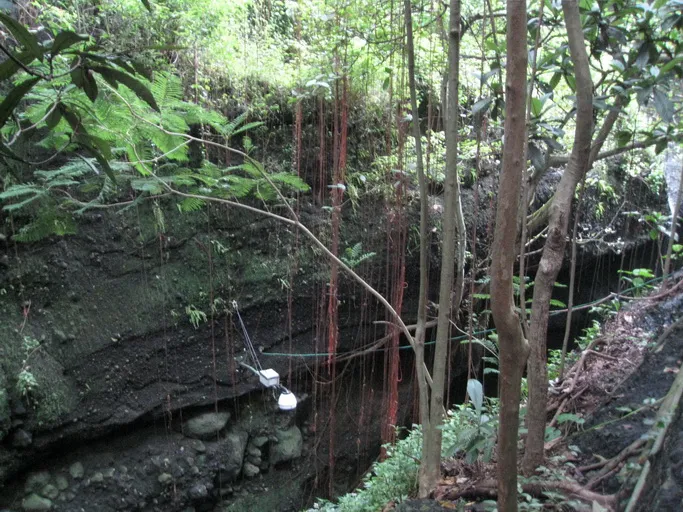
(198, 492)
(21, 439)
(249, 470)
(36, 481)
(259, 441)
(35, 503)
(288, 447)
(235, 444)
(198, 446)
(61, 482)
(165, 479)
(206, 425)
(49, 491)
(76, 470)
(97, 478)
(253, 451)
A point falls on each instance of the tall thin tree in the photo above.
(554, 248)
(513, 346)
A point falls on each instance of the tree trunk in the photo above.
(452, 221)
(424, 258)
(513, 346)
(554, 248)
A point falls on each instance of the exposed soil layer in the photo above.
(628, 413)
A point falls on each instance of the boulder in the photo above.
(288, 447)
(36, 481)
(76, 470)
(35, 503)
(249, 470)
(206, 425)
(234, 447)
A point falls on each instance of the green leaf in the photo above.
(536, 107)
(618, 65)
(88, 143)
(557, 303)
(536, 156)
(78, 76)
(555, 80)
(571, 82)
(671, 64)
(476, 393)
(663, 105)
(481, 105)
(71, 118)
(22, 35)
(13, 98)
(9, 67)
(53, 117)
(89, 85)
(65, 39)
(623, 137)
(112, 76)
(643, 55)
(248, 126)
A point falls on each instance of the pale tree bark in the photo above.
(420, 331)
(453, 250)
(554, 248)
(513, 346)
(674, 225)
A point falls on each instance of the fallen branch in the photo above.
(660, 341)
(664, 417)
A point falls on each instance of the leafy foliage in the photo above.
(395, 479)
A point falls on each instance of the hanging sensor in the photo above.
(287, 400)
(269, 378)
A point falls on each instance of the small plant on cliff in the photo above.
(196, 316)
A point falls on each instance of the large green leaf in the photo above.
(114, 76)
(22, 35)
(13, 98)
(53, 117)
(65, 39)
(663, 105)
(89, 85)
(9, 67)
(482, 105)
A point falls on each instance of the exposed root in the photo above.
(487, 489)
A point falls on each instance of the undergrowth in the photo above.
(467, 431)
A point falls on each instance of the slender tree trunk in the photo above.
(452, 222)
(513, 346)
(674, 225)
(554, 248)
(424, 252)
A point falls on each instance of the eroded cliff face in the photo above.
(102, 321)
(102, 368)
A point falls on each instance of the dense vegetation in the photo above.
(260, 104)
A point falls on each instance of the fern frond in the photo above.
(166, 89)
(74, 168)
(190, 204)
(48, 223)
(20, 190)
(290, 180)
(17, 206)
